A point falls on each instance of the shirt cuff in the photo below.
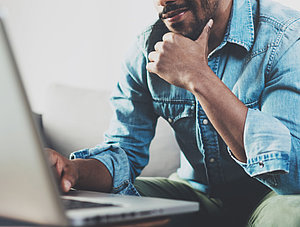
(116, 161)
(271, 162)
(267, 144)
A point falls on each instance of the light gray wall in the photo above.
(75, 42)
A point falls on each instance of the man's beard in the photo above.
(195, 27)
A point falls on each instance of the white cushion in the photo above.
(76, 118)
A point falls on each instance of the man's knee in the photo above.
(164, 188)
(277, 210)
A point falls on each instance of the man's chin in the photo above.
(179, 28)
(193, 35)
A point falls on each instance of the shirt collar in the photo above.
(240, 29)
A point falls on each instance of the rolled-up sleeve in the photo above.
(271, 132)
(125, 150)
(267, 143)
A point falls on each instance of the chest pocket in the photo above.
(174, 111)
(181, 116)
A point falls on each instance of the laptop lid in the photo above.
(28, 187)
(26, 193)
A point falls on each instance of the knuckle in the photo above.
(154, 68)
(150, 67)
(165, 36)
(169, 36)
(172, 37)
(151, 56)
(158, 46)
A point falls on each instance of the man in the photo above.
(226, 75)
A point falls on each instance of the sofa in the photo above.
(76, 118)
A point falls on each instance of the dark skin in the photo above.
(189, 64)
(87, 174)
(192, 36)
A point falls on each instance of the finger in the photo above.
(170, 36)
(60, 166)
(52, 157)
(68, 179)
(151, 67)
(153, 56)
(204, 36)
(55, 160)
(158, 46)
(66, 185)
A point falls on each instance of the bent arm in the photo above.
(227, 114)
(272, 134)
(265, 141)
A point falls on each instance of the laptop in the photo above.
(28, 189)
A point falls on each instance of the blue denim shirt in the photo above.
(259, 61)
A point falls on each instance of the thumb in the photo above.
(69, 177)
(66, 185)
(204, 36)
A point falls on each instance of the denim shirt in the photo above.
(259, 61)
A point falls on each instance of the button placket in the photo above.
(209, 138)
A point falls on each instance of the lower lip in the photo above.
(177, 17)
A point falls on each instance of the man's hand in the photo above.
(184, 63)
(179, 60)
(66, 170)
(86, 174)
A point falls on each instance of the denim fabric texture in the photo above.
(259, 61)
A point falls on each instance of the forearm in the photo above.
(224, 110)
(191, 71)
(92, 175)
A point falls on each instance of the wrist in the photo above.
(92, 175)
(203, 80)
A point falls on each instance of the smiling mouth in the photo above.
(174, 13)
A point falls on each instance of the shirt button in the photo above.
(170, 120)
(205, 122)
(193, 107)
(212, 160)
(261, 164)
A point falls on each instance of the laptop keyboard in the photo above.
(75, 204)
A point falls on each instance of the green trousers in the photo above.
(262, 208)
